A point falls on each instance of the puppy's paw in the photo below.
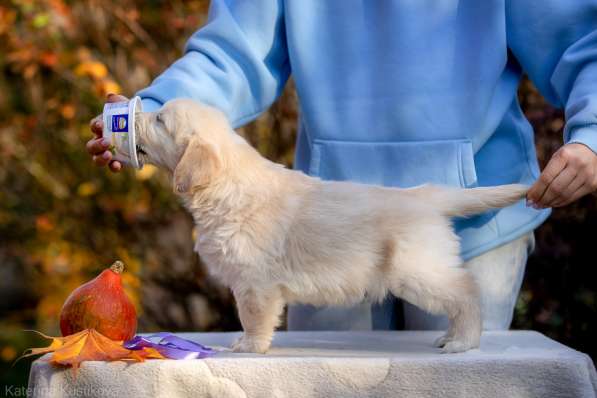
(455, 345)
(442, 341)
(251, 344)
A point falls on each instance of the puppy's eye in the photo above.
(159, 118)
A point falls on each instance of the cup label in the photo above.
(120, 123)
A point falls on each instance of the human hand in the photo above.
(570, 174)
(97, 147)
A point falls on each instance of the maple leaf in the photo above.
(89, 345)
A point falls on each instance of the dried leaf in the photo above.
(68, 111)
(48, 59)
(94, 69)
(87, 188)
(89, 345)
(106, 86)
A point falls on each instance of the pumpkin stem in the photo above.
(117, 267)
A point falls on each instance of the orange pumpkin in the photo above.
(100, 304)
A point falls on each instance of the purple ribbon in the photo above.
(170, 346)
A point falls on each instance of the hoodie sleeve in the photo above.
(237, 62)
(555, 42)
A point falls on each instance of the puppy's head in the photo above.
(185, 137)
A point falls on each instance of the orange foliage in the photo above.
(89, 345)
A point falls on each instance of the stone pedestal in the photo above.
(340, 364)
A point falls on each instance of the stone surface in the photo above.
(342, 364)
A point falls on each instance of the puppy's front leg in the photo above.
(259, 312)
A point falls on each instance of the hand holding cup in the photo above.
(97, 147)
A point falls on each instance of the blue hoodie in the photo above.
(402, 92)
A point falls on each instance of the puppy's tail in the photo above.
(459, 202)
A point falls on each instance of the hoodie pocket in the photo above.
(399, 164)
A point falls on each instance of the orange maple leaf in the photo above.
(89, 345)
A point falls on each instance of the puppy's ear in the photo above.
(197, 166)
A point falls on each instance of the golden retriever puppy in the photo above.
(277, 236)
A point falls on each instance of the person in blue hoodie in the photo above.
(401, 93)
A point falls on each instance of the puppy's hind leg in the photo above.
(423, 276)
(259, 312)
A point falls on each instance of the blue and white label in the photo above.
(120, 123)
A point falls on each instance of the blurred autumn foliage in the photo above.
(62, 220)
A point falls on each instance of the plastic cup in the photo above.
(119, 130)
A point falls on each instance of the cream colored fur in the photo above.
(277, 236)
